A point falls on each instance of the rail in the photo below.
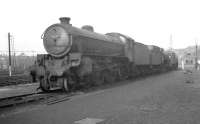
(47, 98)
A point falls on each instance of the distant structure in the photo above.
(3, 63)
(188, 61)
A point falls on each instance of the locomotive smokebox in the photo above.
(64, 20)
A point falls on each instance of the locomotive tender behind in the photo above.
(81, 57)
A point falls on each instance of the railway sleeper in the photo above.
(21, 100)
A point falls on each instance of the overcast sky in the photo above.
(146, 21)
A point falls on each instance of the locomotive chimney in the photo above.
(64, 20)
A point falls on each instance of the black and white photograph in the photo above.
(100, 62)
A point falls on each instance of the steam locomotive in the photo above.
(82, 57)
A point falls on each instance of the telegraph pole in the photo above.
(196, 56)
(9, 52)
(171, 42)
(13, 50)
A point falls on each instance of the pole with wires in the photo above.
(9, 52)
(171, 43)
(196, 56)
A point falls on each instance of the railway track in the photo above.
(12, 101)
(14, 80)
(46, 98)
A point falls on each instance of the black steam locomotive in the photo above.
(81, 57)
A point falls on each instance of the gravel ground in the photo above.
(176, 103)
